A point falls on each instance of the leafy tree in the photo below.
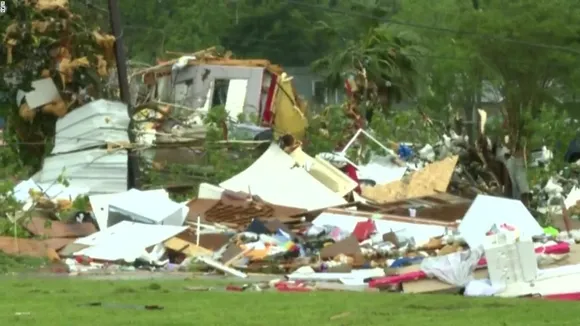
(389, 56)
(284, 32)
(44, 39)
(537, 74)
(280, 31)
(453, 70)
(527, 48)
(152, 27)
(384, 58)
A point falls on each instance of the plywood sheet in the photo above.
(431, 180)
(187, 248)
(276, 178)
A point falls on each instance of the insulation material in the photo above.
(288, 117)
(431, 180)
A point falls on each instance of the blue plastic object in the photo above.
(405, 152)
(405, 261)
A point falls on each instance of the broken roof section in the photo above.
(277, 178)
(206, 56)
(234, 209)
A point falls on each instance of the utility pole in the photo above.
(115, 17)
(476, 102)
(121, 60)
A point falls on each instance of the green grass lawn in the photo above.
(59, 302)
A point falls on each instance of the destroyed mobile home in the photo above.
(182, 91)
(288, 214)
(323, 222)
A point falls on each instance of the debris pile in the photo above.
(416, 219)
(310, 225)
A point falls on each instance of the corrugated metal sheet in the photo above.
(97, 169)
(93, 124)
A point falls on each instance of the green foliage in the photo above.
(32, 44)
(8, 228)
(406, 126)
(153, 26)
(274, 29)
(527, 49)
(553, 128)
(227, 159)
(79, 204)
(12, 168)
(10, 263)
(264, 29)
(11, 215)
(441, 66)
(327, 131)
(219, 160)
(387, 53)
(333, 129)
